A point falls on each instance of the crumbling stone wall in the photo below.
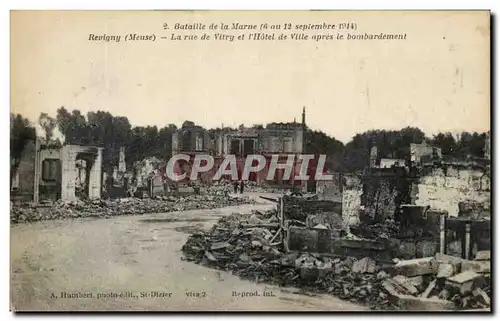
(287, 140)
(443, 188)
(379, 198)
(143, 170)
(330, 190)
(25, 174)
(190, 138)
(384, 190)
(69, 155)
(351, 199)
(419, 151)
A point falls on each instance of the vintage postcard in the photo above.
(250, 161)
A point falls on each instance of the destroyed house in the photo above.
(49, 173)
(276, 138)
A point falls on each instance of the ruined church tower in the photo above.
(304, 134)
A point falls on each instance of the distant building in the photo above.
(389, 162)
(275, 138)
(419, 152)
(282, 139)
(191, 139)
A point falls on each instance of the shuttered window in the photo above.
(50, 169)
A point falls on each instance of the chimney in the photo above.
(304, 117)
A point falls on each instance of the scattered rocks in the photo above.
(418, 282)
(476, 266)
(429, 289)
(481, 296)
(483, 256)
(399, 284)
(412, 303)
(376, 231)
(382, 275)
(124, 206)
(232, 247)
(415, 285)
(365, 265)
(465, 282)
(448, 287)
(416, 267)
(445, 270)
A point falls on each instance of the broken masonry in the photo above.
(303, 244)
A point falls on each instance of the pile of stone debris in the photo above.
(218, 188)
(226, 187)
(249, 247)
(442, 282)
(255, 187)
(124, 206)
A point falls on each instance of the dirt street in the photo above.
(138, 257)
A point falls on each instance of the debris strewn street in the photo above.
(138, 253)
(123, 206)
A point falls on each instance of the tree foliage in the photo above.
(446, 142)
(389, 143)
(465, 145)
(102, 129)
(471, 144)
(21, 132)
(317, 142)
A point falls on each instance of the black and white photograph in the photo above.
(250, 161)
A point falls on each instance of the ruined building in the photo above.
(191, 139)
(423, 152)
(48, 172)
(381, 190)
(276, 138)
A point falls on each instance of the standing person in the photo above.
(242, 186)
(235, 186)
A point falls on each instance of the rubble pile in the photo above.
(249, 247)
(227, 187)
(389, 228)
(255, 187)
(442, 282)
(218, 188)
(301, 207)
(125, 206)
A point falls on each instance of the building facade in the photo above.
(191, 139)
(282, 139)
(49, 172)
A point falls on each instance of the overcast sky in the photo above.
(438, 79)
